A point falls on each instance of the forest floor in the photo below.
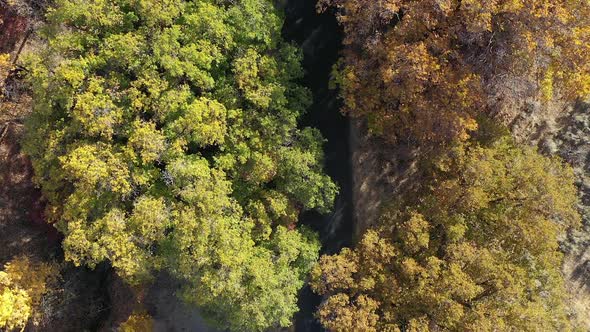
(21, 210)
(576, 269)
(572, 143)
(168, 312)
(381, 171)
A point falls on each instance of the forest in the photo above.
(294, 165)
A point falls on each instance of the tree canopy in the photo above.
(477, 251)
(164, 136)
(22, 284)
(423, 70)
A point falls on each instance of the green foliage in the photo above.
(477, 251)
(164, 136)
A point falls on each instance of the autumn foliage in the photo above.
(423, 70)
(165, 136)
(477, 251)
(22, 284)
(476, 248)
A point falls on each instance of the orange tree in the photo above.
(421, 69)
(477, 251)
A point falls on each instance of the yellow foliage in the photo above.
(139, 321)
(15, 306)
(22, 284)
(5, 66)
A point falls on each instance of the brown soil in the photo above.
(22, 225)
(12, 29)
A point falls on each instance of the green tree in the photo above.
(477, 251)
(164, 136)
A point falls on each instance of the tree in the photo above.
(22, 284)
(477, 251)
(164, 136)
(423, 70)
(5, 67)
(138, 321)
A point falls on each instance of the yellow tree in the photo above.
(138, 321)
(164, 135)
(22, 284)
